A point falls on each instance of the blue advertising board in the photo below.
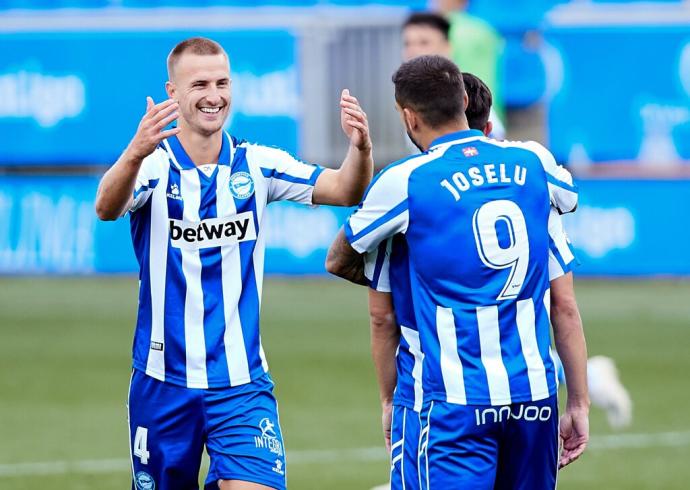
(48, 225)
(77, 97)
(619, 93)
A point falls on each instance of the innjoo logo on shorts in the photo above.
(213, 232)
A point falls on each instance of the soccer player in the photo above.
(395, 338)
(427, 33)
(474, 213)
(197, 200)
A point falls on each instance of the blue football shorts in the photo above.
(169, 426)
(483, 447)
(404, 448)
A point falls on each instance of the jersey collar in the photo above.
(182, 161)
(457, 137)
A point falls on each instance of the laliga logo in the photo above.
(241, 185)
(45, 98)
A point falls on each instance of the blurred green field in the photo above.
(64, 371)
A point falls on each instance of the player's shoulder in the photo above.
(157, 161)
(534, 148)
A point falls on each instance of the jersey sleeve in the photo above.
(382, 213)
(562, 192)
(561, 256)
(147, 178)
(377, 266)
(287, 177)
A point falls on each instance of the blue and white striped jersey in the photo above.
(474, 213)
(387, 269)
(199, 238)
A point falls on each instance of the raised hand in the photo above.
(354, 121)
(150, 131)
(574, 429)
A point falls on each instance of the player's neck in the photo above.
(201, 149)
(431, 134)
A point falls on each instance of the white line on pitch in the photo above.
(376, 453)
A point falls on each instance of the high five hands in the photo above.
(150, 131)
(354, 122)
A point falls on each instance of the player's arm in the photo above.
(345, 186)
(570, 344)
(382, 214)
(562, 191)
(344, 261)
(116, 189)
(385, 338)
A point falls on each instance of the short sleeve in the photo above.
(287, 177)
(383, 212)
(377, 267)
(561, 256)
(148, 178)
(562, 192)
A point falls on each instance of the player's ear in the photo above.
(170, 89)
(488, 128)
(411, 120)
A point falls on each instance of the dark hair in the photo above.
(430, 19)
(480, 100)
(193, 45)
(432, 87)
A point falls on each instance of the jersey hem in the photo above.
(231, 475)
(443, 397)
(174, 380)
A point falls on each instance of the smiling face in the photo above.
(201, 85)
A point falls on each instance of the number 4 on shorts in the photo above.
(140, 446)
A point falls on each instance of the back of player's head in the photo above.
(429, 19)
(193, 45)
(479, 101)
(431, 86)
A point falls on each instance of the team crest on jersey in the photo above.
(241, 185)
(144, 481)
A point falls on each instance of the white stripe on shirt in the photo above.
(530, 349)
(195, 344)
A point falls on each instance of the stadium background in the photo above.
(605, 85)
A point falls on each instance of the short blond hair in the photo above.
(193, 45)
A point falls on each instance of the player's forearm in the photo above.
(353, 176)
(117, 186)
(570, 340)
(344, 261)
(385, 338)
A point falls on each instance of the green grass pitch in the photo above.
(64, 371)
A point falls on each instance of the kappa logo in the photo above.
(144, 481)
(241, 185)
(269, 439)
(212, 232)
(174, 192)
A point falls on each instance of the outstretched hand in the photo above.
(150, 131)
(354, 121)
(574, 429)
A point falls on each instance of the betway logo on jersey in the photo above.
(213, 232)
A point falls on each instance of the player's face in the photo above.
(419, 40)
(201, 85)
